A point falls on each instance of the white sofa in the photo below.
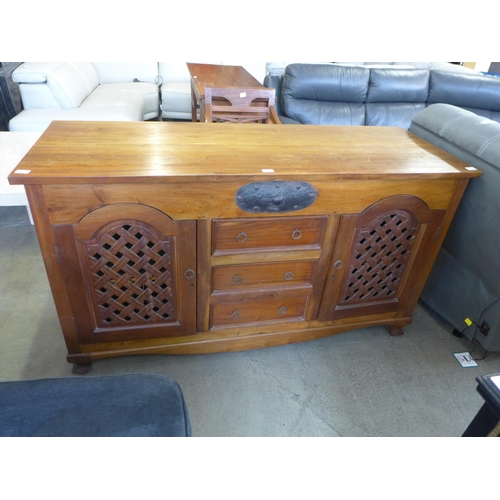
(112, 91)
(84, 91)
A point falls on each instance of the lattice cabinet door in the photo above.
(131, 271)
(378, 258)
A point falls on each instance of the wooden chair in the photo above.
(240, 105)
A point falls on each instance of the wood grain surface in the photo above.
(168, 152)
(156, 201)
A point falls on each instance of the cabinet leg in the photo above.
(81, 368)
(394, 331)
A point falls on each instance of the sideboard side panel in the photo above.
(55, 276)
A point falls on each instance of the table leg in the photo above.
(193, 105)
(202, 111)
(484, 421)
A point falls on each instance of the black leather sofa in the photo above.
(329, 94)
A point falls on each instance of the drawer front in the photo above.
(236, 313)
(290, 274)
(291, 233)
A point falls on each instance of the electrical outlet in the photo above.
(484, 328)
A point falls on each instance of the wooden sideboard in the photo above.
(196, 238)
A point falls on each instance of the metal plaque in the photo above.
(275, 196)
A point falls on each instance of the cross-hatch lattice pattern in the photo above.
(379, 260)
(132, 273)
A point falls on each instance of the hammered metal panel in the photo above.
(275, 196)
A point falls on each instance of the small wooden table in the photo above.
(216, 75)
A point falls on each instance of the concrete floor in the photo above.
(358, 383)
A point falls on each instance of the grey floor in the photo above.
(358, 383)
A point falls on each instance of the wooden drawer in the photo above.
(289, 274)
(250, 235)
(236, 313)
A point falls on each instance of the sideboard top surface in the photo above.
(122, 152)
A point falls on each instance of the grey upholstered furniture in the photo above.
(121, 405)
(465, 280)
(329, 94)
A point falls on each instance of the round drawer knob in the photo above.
(241, 237)
(235, 314)
(238, 280)
(189, 274)
(282, 310)
(288, 276)
(296, 235)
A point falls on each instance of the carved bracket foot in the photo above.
(81, 368)
(394, 331)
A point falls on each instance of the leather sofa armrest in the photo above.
(34, 72)
(459, 132)
(465, 276)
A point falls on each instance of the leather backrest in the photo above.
(63, 85)
(71, 83)
(465, 90)
(123, 72)
(395, 96)
(398, 85)
(330, 94)
(325, 94)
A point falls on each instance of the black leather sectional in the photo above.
(328, 94)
